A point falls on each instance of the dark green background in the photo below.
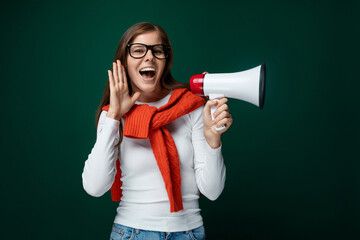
(292, 168)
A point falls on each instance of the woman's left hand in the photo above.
(221, 117)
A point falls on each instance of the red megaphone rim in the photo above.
(197, 84)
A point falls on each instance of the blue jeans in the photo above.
(121, 232)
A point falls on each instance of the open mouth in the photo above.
(147, 72)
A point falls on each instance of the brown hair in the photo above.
(167, 81)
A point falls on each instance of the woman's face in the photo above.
(145, 72)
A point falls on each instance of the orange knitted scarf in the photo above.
(143, 121)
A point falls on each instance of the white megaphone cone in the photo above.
(246, 85)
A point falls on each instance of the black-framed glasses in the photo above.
(139, 50)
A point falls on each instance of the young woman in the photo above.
(156, 145)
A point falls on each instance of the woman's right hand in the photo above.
(120, 100)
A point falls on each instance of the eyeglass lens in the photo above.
(139, 51)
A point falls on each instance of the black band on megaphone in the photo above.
(262, 85)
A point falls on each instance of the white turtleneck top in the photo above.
(144, 203)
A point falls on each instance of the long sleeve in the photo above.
(210, 170)
(100, 167)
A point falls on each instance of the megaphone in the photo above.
(248, 86)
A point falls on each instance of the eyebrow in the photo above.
(148, 44)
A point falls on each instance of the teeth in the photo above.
(147, 69)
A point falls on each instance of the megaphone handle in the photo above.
(215, 97)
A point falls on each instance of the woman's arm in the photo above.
(221, 116)
(210, 171)
(100, 169)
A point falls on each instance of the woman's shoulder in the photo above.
(196, 115)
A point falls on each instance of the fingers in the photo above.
(221, 106)
(117, 77)
(119, 72)
(209, 104)
(111, 80)
(222, 119)
(225, 122)
(115, 74)
(124, 78)
(222, 115)
(135, 96)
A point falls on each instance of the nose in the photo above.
(149, 55)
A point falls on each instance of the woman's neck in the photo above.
(153, 96)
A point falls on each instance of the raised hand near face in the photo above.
(120, 100)
(221, 117)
